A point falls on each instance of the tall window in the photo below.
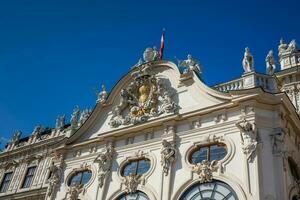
(29, 177)
(136, 167)
(210, 152)
(5, 182)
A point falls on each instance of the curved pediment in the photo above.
(150, 91)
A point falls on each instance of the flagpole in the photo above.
(162, 44)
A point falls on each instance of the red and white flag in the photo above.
(162, 45)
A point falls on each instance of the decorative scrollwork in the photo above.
(104, 160)
(168, 153)
(146, 97)
(131, 182)
(205, 170)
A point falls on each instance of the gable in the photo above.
(151, 91)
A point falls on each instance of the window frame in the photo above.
(137, 166)
(23, 186)
(3, 181)
(208, 155)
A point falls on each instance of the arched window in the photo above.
(215, 190)
(134, 196)
(136, 167)
(80, 177)
(210, 152)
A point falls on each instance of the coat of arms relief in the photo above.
(147, 96)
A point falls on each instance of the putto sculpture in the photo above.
(270, 63)
(145, 97)
(190, 64)
(102, 96)
(248, 61)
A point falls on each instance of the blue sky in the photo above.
(53, 54)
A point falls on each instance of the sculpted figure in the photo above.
(16, 137)
(282, 47)
(131, 182)
(270, 63)
(168, 153)
(248, 61)
(102, 96)
(292, 46)
(150, 54)
(74, 191)
(84, 115)
(104, 161)
(190, 64)
(60, 122)
(54, 180)
(74, 117)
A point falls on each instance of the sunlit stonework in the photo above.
(146, 97)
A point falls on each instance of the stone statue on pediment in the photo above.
(190, 64)
(270, 63)
(248, 61)
(150, 54)
(102, 96)
(60, 122)
(292, 46)
(75, 117)
(16, 136)
(282, 47)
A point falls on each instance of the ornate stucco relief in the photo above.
(147, 96)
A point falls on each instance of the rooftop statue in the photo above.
(190, 64)
(84, 115)
(282, 47)
(292, 46)
(102, 96)
(16, 137)
(75, 117)
(248, 61)
(60, 122)
(150, 54)
(270, 63)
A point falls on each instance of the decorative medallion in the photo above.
(146, 96)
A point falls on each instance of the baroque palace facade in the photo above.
(162, 134)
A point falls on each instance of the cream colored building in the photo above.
(162, 134)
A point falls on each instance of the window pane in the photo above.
(29, 177)
(217, 152)
(200, 155)
(215, 190)
(86, 176)
(130, 168)
(75, 180)
(5, 182)
(144, 166)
